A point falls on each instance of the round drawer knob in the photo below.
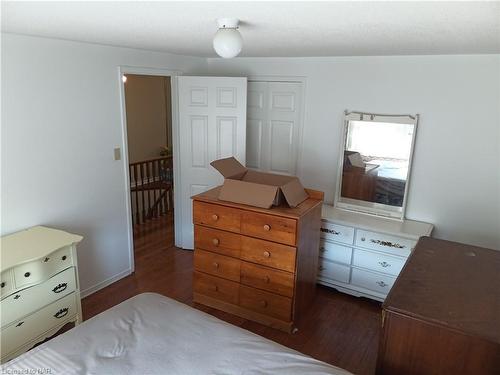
(27, 274)
(2, 284)
(215, 217)
(363, 239)
(267, 227)
(263, 303)
(216, 241)
(216, 265)
(267, 254)
(267, 279)
(64, 257)
(216, 288)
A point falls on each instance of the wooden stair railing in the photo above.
(151, 187)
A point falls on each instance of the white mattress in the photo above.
(153, 334)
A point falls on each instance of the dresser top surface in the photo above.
(211, 196)
(33, 243)
(403, 228)
(452, 285)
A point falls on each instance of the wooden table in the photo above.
(442, 315)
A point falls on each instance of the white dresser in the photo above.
(361, 254)
(39, 287)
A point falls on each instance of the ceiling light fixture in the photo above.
(227, 41)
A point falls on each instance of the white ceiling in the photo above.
(269, 28)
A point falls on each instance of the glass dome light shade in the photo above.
(227, 42)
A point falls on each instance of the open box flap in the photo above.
(253, 194)
(229, 168)
(294, 192)
(267, 178)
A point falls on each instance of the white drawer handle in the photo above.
(60, 288)
(61, 313)
(382, 284)
(331, 231)
(387, 243)
(384, 264)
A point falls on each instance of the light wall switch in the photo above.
(118, 154)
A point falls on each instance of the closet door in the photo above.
(274, 120)
(212, 125)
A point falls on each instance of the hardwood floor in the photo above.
(338, 329)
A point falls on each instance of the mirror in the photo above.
(375, 163)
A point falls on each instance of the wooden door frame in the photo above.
(124, 69)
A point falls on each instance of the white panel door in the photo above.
(212, 125)
(274, 120)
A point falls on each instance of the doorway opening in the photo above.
(148, 108)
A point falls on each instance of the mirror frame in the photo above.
(373, 208)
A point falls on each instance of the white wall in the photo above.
(60, 123)
(455, 181)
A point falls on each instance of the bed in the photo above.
(153, 334)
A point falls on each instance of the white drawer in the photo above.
(378, 262)
(32, 326)
(41, 269)
(31, 299)
(333, 271)
(6, 283)
(373, 281)
(335, 252)
(337, 232)
(383, 242)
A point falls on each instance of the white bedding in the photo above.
(153, 334)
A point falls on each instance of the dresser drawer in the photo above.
(269, 227)
(216, 216)
(384, 242)
(335, 252)
(333, 271)
(279, 282)
(339, 233)
(373, 281)
(31, 299)
(268, 253)
(32, 326)
(6, 283)
(217, 241)
(217, 265)
(378, 262)
(266, 303)
(216, 287)
(43, 268)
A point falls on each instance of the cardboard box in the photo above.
(258, 189)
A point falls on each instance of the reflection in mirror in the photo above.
(376, 162)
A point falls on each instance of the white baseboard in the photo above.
(87, 292)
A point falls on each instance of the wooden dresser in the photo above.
(443, 314)
(39, 287)
(256, 263)
(362, 254)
